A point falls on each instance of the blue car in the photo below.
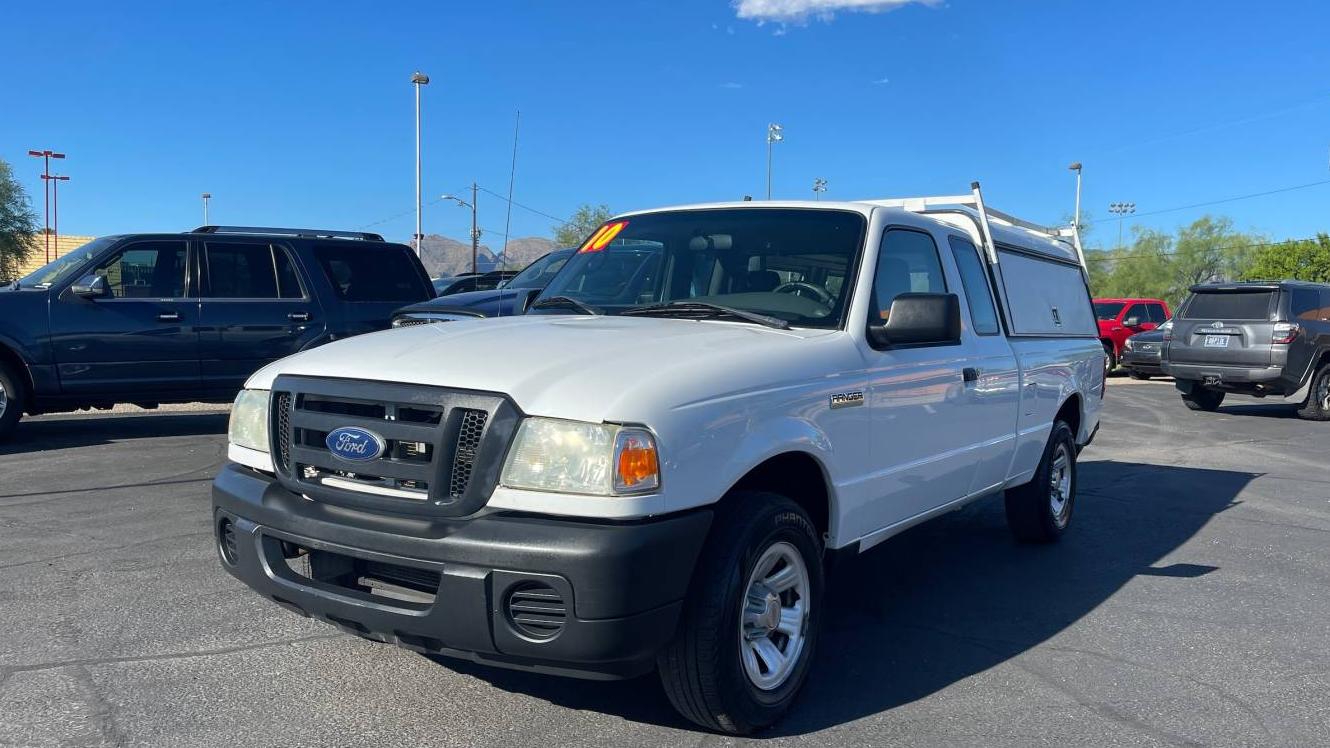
(509, 300)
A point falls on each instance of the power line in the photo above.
(523, 207)
(1223, 200)
(1104, 256)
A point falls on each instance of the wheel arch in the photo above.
(1072, 411)
(10, 357)
(800, 476)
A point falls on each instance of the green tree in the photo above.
(1161, 265)
(584, 221)
(18, 225)
(1301, 259)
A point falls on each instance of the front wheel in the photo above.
(1317, 407)
(1203, 398)
(750, 622)
(1040, 511)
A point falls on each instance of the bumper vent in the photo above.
(536, 610)
(227, 542)
(469, 432)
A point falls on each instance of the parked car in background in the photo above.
(157, 318)
(1261, 339)
(468, 282)
(512, 298)
(1120, 319)
(1141, 352)
(651, 468)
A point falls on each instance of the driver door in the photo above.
(139, 339)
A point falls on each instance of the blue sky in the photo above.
(302, 113)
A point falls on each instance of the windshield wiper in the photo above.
(567, 302)
(706, 310)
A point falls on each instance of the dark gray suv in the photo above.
(1261, 339)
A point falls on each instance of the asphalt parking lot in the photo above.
(1188, 606)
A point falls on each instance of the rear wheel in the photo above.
(750, 622)
(12, 395)
(1203, 398)
(1040, 511)
(1317, 407)
(1110, 360)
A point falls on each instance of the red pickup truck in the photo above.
(1120, 319)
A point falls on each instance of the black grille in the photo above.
(226, 532)
(536, 610)
(469, 431)
(442, 448)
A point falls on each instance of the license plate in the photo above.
(1216, 341)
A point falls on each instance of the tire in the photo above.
(1203, 398)
(1110, 359)
(1140, 376)
(704, 668)
(1317, 407)
(13, 393)
(1040, 511)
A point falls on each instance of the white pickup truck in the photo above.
(652, 467)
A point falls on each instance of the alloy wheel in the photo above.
(774, 621)
(1059, 489)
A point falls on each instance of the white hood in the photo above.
(589, 368)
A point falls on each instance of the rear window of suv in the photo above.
(1220, 305)
(359, 273)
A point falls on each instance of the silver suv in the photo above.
(1266, 339)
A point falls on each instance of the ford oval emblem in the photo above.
(355, 444)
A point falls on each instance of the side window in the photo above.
(148, 270)
(1138, 311)
(240, 271)
(1157, 314)
(372, 273)
(977, 291)
(1307, 305)
(907, 263)
(288, 280)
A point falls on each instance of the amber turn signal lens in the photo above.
(637, 467)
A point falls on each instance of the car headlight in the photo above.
(600, 459)
(1127, 345)
(249, 420)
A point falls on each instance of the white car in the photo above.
(651, 469)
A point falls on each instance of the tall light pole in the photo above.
(418, 79)
(1076, 216)
(54, 180)
(47, 155)
(775, 134)
(1121, 210)
(206, 197)
(819, 186)
(475, 230)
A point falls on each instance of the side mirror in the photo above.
(91, 287)
(524, 303)
(1131, 322)
(919, 319)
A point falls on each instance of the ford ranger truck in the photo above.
(653, 467)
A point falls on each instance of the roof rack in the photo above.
(975, 200)
(305, 233)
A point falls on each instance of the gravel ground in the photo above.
(1188, 606)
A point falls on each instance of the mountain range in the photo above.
(444, 255)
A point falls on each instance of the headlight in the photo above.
(601, 459)
(249, 420)
(1127, 344)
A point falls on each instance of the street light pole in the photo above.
(418, 79)
(206, 197)
(54, 180)
(1121, 210)
(775, 134)
(475, 230)
(1076, 216)
(819, 186)
(47, 155)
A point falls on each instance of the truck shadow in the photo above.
(955, 597)
(64, 432)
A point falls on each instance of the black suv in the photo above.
(155, 318)
(1262, 339)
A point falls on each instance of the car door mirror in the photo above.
(91, 287)
(1131, 322)
(919, 319)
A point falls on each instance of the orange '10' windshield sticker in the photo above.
(603, 236)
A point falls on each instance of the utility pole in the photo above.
(1121, 210)
(418, 79)
(819, 186)
(206, 197)
(55, 180)
(47, 155)
(475, 229)
(775, 134)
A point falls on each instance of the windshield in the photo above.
(1108, 310)
(791, 264)
(539, 273)
(62, 267)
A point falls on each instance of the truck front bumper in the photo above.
(570, 597)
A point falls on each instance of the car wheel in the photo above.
(750, 622)
(1203, 398)
(1110, 360)
(12, 395)
(1040, 511)
(1141, 376)
(1317, 407)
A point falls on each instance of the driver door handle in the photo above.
(298, 316)
(168, 317)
